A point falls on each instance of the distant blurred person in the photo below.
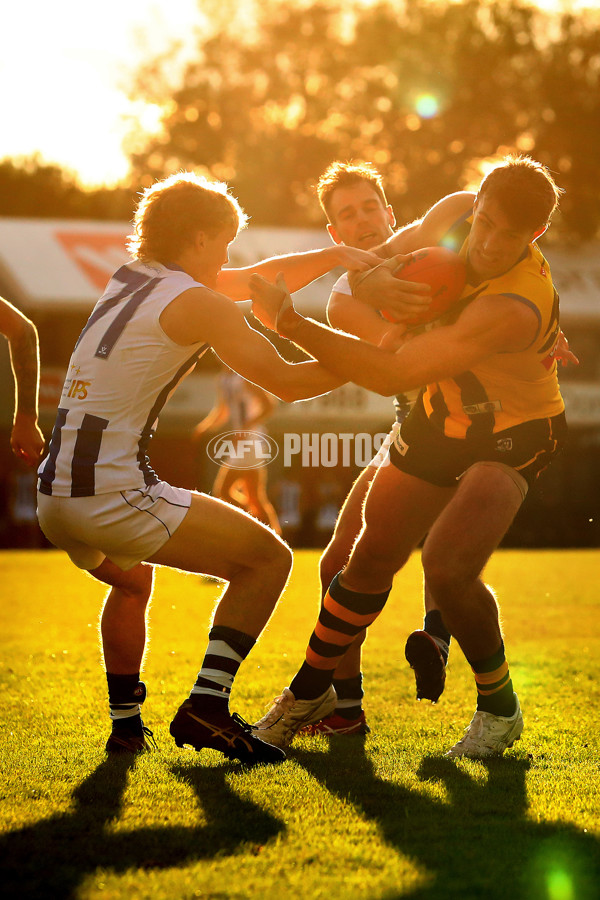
(26, 440)
(241, 408)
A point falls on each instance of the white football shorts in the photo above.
(125, 526)
(382, 457)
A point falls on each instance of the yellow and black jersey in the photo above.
(505, 389)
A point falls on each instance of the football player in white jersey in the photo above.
(100, 500)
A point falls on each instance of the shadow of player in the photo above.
(53, 857)
(476, 843)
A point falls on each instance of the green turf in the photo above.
(389, 817)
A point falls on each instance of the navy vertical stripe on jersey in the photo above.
(117, 326)
(49, 472)
(85, 455)
(440, 410)
(132, 280)
(553, 327)
(150, 476)
(121, 373)
(473, 393)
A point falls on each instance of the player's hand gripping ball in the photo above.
(444, 271)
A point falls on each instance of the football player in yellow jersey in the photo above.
(466, 454)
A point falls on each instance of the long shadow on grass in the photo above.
(476, 844)
(51, 858)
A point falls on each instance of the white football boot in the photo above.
(288, 715)
(489, 735)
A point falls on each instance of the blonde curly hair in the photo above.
(172, 211)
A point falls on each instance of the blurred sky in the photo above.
(64, 65)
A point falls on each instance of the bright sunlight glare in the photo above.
(65, 67)
(426, 106)
(64, 70)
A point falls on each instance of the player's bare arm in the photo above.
(380, 287)
(491, 324)
(299, 268)
(346, 313)
(27, 441)
(434, 224)
(203, 315)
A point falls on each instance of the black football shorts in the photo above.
(425, 452)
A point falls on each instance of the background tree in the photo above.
(30, 187)
(427, 91)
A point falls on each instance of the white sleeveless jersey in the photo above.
(123, 370)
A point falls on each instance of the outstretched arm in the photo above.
(299, 269)
(202, 315)
(491, 324)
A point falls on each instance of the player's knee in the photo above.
(333, 560)
(376, 556)
(146, 579)
(444, 576)
(139, 582)
(274, 553)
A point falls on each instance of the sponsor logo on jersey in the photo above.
(401, 446)
(504, 444)
(473, 409)
(77, 389)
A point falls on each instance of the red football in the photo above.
(443, 270)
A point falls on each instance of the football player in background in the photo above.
(490, 419)
(99, 499)
(241, 408)
(26, 440)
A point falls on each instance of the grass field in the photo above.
(388, 817)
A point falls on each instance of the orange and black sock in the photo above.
(494, 686)
(343, 615)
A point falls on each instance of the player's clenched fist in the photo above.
(270, 302)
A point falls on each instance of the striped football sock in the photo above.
(343, 615)
(227, 649)
(495, 692)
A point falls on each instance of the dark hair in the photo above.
(340, 174)
(525, 190)
(173, 210)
